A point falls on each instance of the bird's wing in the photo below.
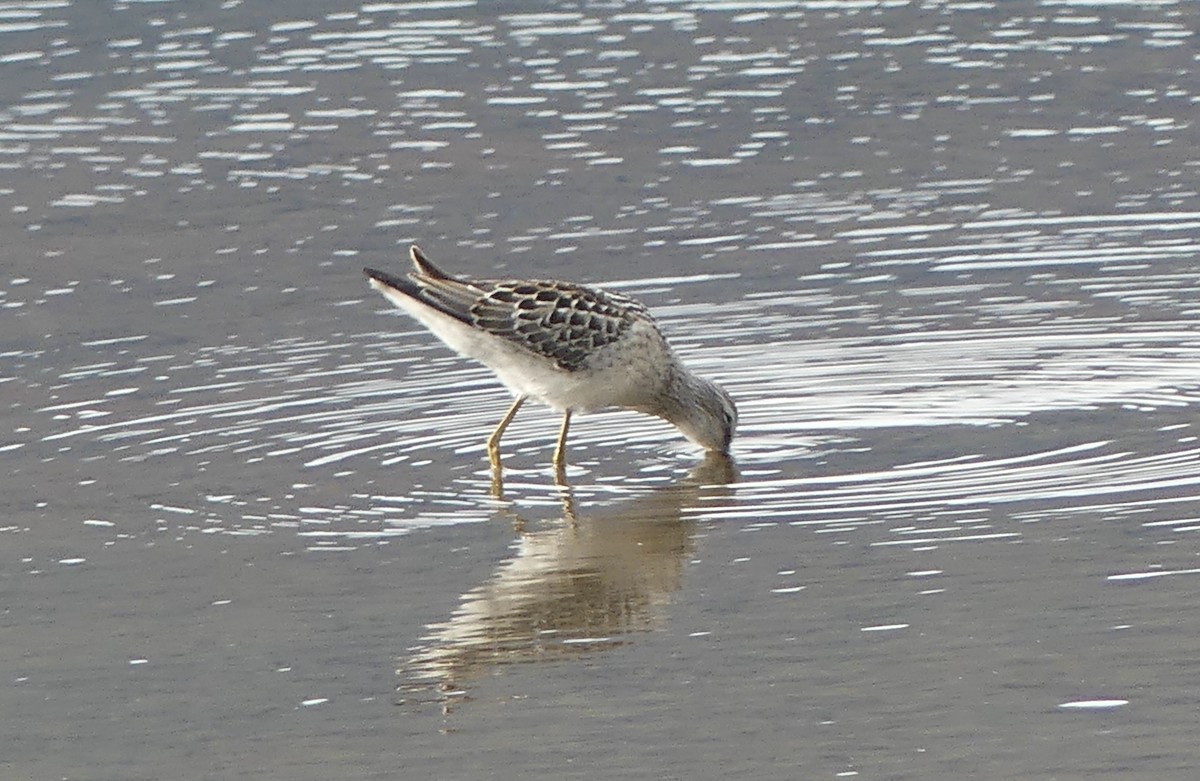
(558, 320)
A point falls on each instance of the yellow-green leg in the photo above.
(560, 451)
(493, 442)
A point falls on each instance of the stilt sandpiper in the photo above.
(574, 348)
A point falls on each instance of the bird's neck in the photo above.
(684, 393)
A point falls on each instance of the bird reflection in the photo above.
(580, 587)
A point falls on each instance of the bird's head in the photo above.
(705, 414)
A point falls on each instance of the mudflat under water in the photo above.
(946, 257)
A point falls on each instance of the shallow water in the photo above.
(944, 255)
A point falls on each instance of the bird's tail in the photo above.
(425, 267)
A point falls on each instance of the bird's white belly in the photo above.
(629, 373)
(580, 390)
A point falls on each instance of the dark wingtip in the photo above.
(384, 278)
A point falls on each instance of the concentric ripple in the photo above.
(960, 417)
(933, 276)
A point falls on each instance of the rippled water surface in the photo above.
(945, 256)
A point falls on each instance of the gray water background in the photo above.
(944, 255)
